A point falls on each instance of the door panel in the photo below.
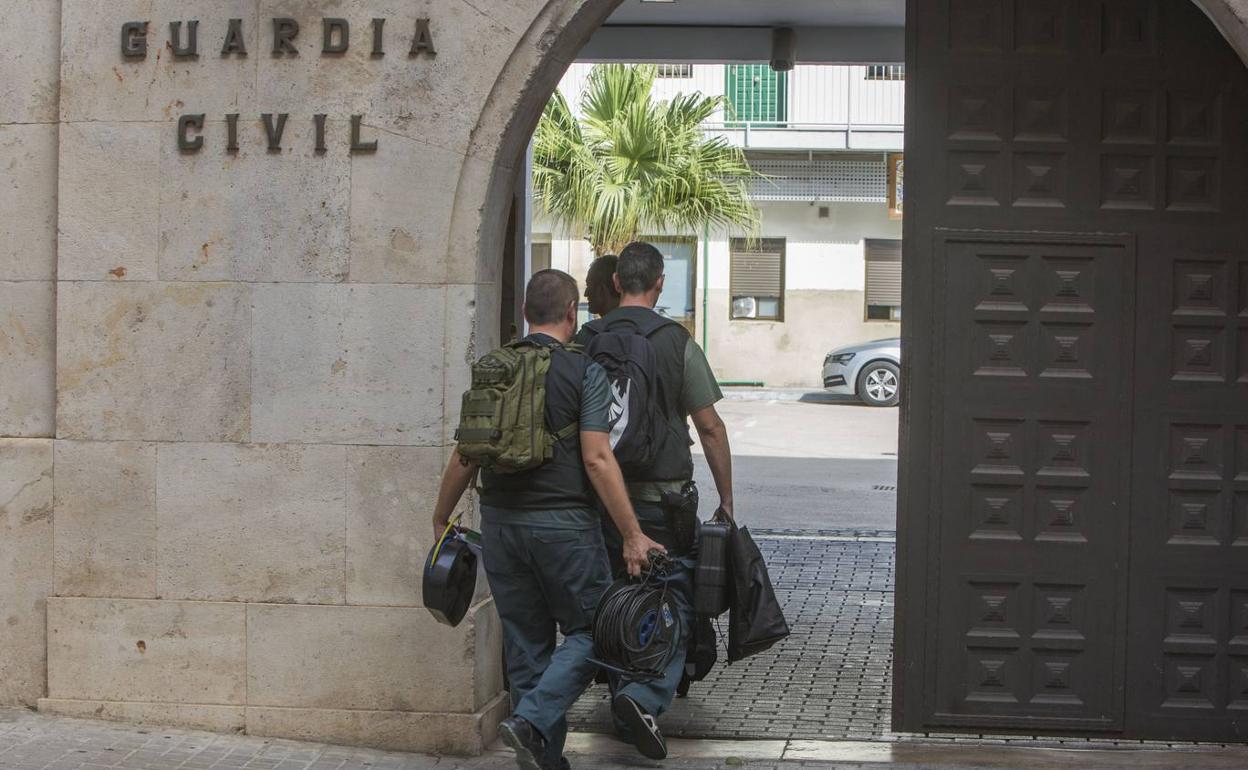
(1033, 619)
(1190, 533)
(1074, 539)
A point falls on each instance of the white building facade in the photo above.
(825, 270)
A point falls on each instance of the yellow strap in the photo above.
(450, 525)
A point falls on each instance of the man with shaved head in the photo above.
(541, 532)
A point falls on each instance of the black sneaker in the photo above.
(525, 740)
(645, 731)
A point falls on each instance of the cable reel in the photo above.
(637, 629)
(450, 579)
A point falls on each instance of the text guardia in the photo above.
(183, 43)
(335, 38)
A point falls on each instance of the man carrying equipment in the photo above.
(659, 379)
(542, 536)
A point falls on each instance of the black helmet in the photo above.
(451, 577)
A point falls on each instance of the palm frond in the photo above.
(630, 164)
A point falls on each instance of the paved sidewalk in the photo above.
(811, 395)
(832, 679)
(32, 742)
(819, 700)
(829, 680)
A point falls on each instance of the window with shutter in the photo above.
(756, 279)
(883, 289)
(756, 94)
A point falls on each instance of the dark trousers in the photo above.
(656, 696)
(546, 580)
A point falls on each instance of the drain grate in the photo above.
(829, 680)
(885, 487)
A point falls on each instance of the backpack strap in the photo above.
(653, 323)
(593, 327)
(645, 326)
(568, 430)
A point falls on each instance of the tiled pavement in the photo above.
(829, 680)
(828, 684)
(33, 742)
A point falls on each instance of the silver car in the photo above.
(869, 370)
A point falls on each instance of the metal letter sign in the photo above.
(134, 39)
(335, 28)
(183, 44)
(234, 39)
(186, 124)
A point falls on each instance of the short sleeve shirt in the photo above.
(699, 388)
(595, 401)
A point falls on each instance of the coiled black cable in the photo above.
(637, 629)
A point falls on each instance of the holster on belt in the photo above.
(681, 510)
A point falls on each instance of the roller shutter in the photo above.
(883, 272)
(757, 268)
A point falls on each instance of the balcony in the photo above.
(809, 136)
(813, 107)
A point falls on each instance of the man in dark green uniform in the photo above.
(688, 389)
(542, 535)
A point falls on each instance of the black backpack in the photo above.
(624, 350)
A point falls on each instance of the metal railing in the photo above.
(818, 95)
(750, 131)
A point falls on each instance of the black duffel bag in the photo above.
(755, 620)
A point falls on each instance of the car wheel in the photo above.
(879, 384)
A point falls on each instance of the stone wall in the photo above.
(248, 361)
(29, 64)
(242, 365)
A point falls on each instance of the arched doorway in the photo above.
(1075, 458)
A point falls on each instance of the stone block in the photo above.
(154, 361)
(487, 647)
(425, 732)
(549, 44)
(472, 324)
(369, 658)
(433, 98)
(146, 651)
(25, 567)
(30, 63)
(218, 719)
(391, 492)
(28, 199)
(109, 202)
(27, 358)
(483, 199)
(251, 522)
(353, 364)
(106, 519)
(99, 83)
(256, 215)
(401, 212)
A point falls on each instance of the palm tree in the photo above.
(633, 165)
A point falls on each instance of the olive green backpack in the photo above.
(502, 425)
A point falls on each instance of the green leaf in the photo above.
(630, 165)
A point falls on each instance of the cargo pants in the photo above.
(543, 581)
